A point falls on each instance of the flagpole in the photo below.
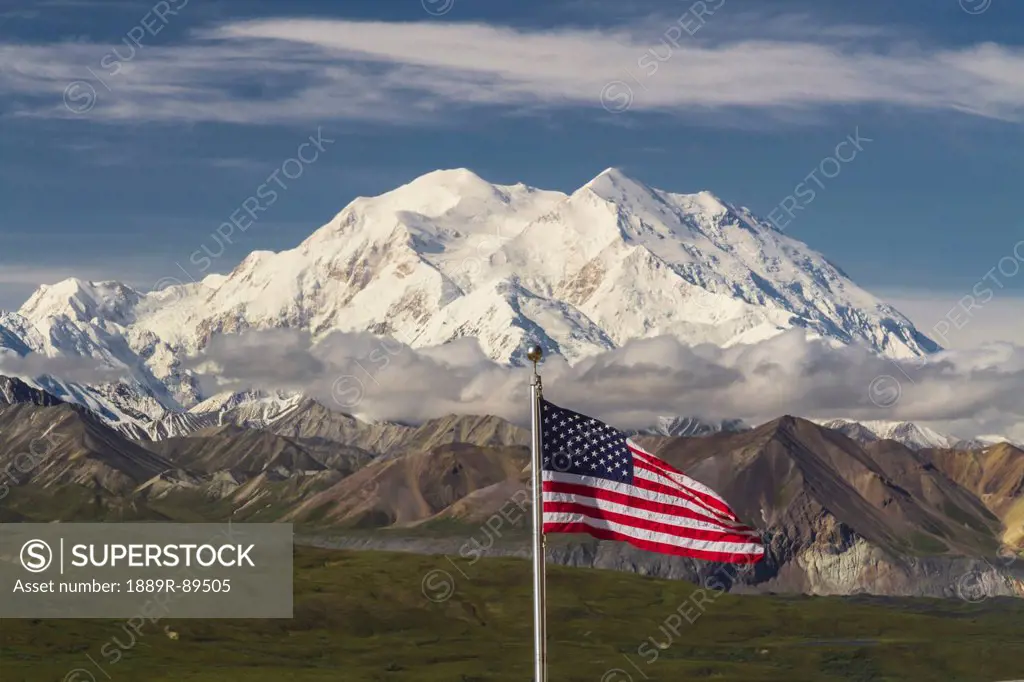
(540, 649)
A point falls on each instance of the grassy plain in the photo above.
(390, 617)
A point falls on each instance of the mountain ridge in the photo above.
(450, 255)
(838, 517)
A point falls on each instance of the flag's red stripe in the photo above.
(753, 547)
(653, 517)
(673, 492)
(645, 524)
(683, 490)
(605, 534)
(679, 489)
(707, 496)
(700, 487)
(651, 463)
(638, 503)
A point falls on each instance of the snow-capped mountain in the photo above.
(691, 427)
(985, 440)
(249, 409)
(14, 391)
(17, 336)
(451, 255)
(914, 436)
(122, 389)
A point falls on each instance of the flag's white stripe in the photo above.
(655, 517)
(689, 495)
(654, 536)
(680, 478)
(627, 489)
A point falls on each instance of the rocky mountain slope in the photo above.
(996, 476)
(14, 391)
(450, 255)
(412, 488)
(838, 517)
(61, 447)
(245, 453)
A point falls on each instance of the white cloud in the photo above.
(73, 369)
(943, 318)
(977, 392)
(302, 70)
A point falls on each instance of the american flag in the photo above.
(598, 481)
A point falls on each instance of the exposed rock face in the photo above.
(14, 391)
(65, 445)
(407, 490)
(996, 475)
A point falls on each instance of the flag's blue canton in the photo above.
(574, 443)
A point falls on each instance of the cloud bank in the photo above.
(997, 320)
(293, 70)
(78, 370)
(968, 393)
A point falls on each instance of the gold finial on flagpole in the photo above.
(534, 353)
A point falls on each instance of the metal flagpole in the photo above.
(540, 648)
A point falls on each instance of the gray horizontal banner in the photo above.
(145, 570)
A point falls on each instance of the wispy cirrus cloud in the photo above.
(289, 70)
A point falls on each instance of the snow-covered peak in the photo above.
(613, 183)
(213, 280)
(692, 426)
(251, 409)
(81, 301)
(232, 399)
(17, 335)
(443, 215)
(994, 439)
(710, 204)
(449, 255)
(460, 182)
(443, 191)
(914, 436)
(456, 195)
(616, 186)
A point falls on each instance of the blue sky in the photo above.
(130, 130)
